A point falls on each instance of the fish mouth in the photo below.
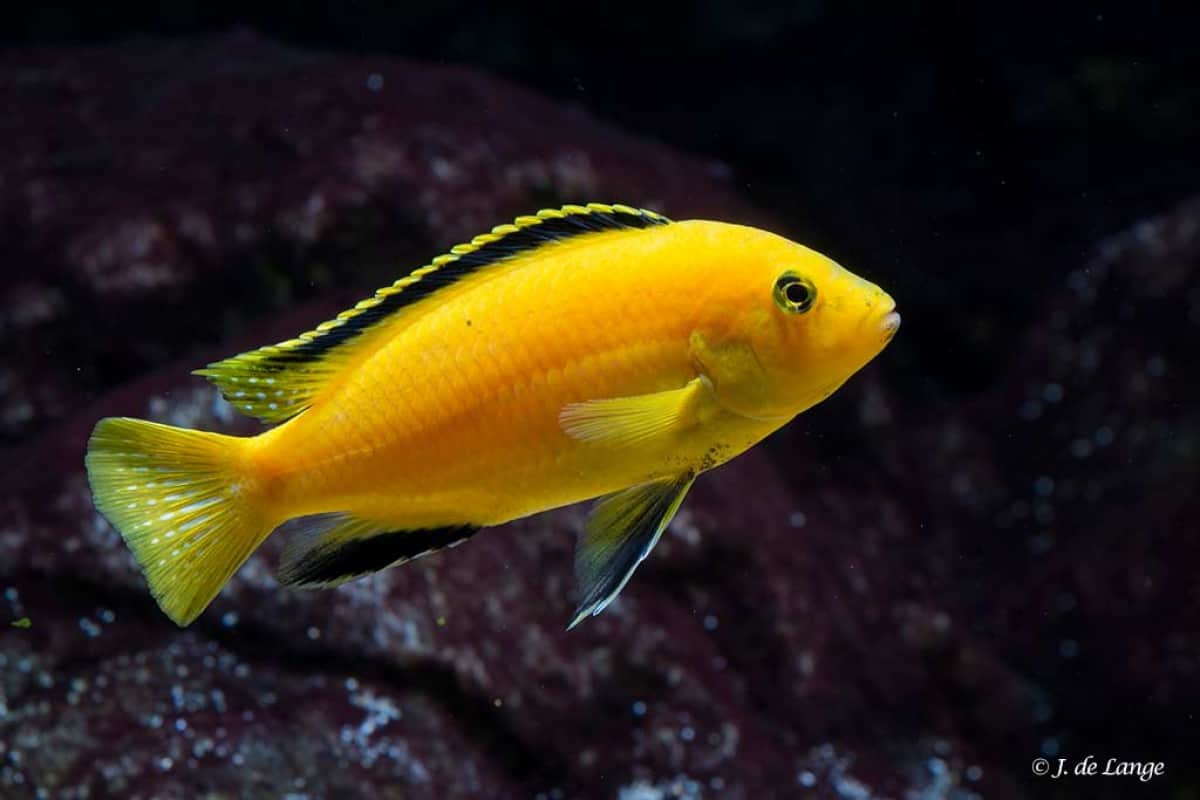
(889, 323)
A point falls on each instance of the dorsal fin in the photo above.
(279, 381)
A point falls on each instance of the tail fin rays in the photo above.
(181, 502)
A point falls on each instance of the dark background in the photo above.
(970, 158)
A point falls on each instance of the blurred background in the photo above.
(979, 552)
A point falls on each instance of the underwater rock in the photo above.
(1079, 499)
(912, 602)
(160, 193)
(772, 643)
(193, 199)
(847, 639)
(740, 662)
(119, 710)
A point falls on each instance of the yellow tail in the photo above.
(183, 504)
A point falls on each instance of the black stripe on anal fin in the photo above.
(328, 563)
(620, 531)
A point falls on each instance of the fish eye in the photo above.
(794, 294)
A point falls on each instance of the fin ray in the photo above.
(178, 501)
(630, 421)
(620, 532)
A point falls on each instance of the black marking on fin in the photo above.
(526, 234)
(279, 381)
(342, 561)
(620, 532)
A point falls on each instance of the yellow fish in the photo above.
(588, 351)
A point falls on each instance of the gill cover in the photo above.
(739, 382)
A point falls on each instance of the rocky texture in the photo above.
(1075, 503)
(907, 595)
(742, 662)
(158, 194)
(1060, 511)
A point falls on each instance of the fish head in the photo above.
(792, 326)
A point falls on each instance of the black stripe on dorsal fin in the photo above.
(502, 242)
(279, 381)
(331, 549)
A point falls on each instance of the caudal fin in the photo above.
(179, 499)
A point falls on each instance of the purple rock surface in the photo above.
(159, 194)
(888, 600)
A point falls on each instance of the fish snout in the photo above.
(889, 319)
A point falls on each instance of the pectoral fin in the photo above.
(628, 421)
(620, 532)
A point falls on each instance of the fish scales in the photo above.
(448, 408)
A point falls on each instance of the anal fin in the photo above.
(331, 549)
(620, 532)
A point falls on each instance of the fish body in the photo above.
(590, 351)
(460, 411)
